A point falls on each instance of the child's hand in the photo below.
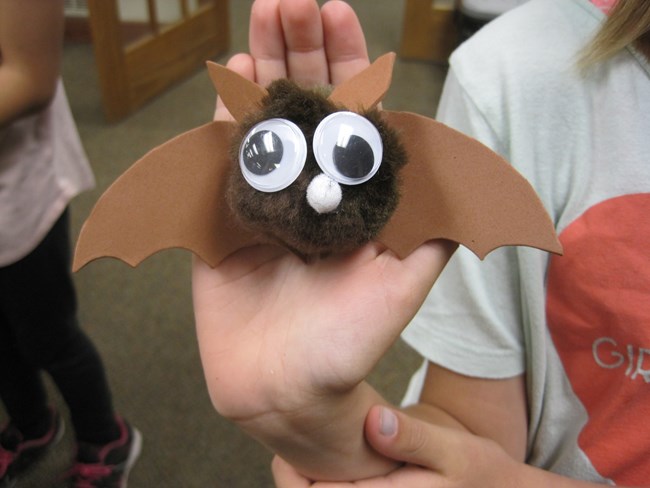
(432, 457)
(286, 345)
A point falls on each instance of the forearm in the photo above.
(513, 473)
(31, 35)
(324, 441)
(20, 96)
(532, 477)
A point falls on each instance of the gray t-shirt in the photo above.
(577, 326)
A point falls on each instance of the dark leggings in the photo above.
(39, 331)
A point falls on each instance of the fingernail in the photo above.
(387, 422)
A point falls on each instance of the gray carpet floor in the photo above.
(141, 319)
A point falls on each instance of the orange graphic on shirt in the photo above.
(598, 309)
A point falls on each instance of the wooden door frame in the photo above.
(429, 33)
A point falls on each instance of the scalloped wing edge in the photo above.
(173, 197)
(456, 188)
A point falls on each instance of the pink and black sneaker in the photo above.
(18, 454)
(106, 466)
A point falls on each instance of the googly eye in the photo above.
(348, 148)
(272, 155)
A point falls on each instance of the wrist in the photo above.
(323, 439)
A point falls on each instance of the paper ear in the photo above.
(361, 92)
(366, 89)
(239, 95)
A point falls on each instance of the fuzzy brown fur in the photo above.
(285, 217)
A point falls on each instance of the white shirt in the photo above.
(42, 167)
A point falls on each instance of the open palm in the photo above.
(275, 331)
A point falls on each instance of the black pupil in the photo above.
(262, 152)
(355, 159)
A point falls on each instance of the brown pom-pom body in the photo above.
(284, 216)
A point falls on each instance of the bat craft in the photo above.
(317, 171)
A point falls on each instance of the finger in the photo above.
(429, 259)
(286, 40)
(345, 44)
(266, 41)
(289, 38)
(242, 64)
(414, 275)
(403, 438)
(285, 476)
(410, 475)
(305, 48)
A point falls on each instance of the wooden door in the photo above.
(132, 72)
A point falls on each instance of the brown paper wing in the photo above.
(172, 197)
(456, 188)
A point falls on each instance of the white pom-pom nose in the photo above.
(324, 194)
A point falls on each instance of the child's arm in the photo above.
(436, 456)
(465, 433)
(31, 35)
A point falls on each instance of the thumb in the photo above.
(401, 437)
